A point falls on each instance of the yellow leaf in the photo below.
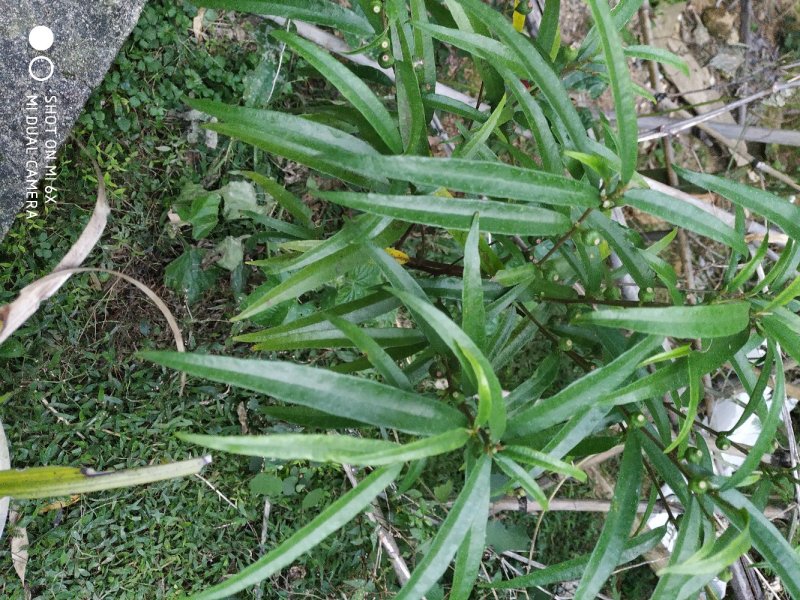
(519, 18)
(400, 256)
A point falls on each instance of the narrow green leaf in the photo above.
(519, 475)
(341, 395)
(621, 88)
(767, 540)
(621, 14)
(710, 321)
(658, 55)
(338, 514)
(695, 383)
(321, 12)
(423, 45)
(574, 568)
(548, 28)
(537, 69)
(769, 427)
(349, 85)
(456, 107)
(529, 456)
(411, 110)
(631, 257)
(490, 395)
(786, 295)
(784, 327)
(618, 523)
(331, 448)
(532, 388)
(376, 354)
(701, 564)
(537, 122)
(308, 417)
(480, 136)
(487, 49)
(289, 202)
(382, 337)
(749, 268)
(48, 482)
(452, 532)
(774, 208)
(456, 213)
(684, 215)
(473, 319)
(583, 392)
(470, 554)
(669, 586)
(489, 178)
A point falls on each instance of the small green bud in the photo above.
(384, 44)
(725, 576)
(636, 420)
(608, 204)
(524, 7)
(592, 238)
(699, 486)
(377, 6)
(723, 443)
(612, 293)
(386, 60)
(647, 295)
(565, 344)
(693, 455)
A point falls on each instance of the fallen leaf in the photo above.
(19, 548)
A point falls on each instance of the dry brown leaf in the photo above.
(19, 548)
(197, 25)
(241, 412)
(59, 504)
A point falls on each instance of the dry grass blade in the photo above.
(5, 465)
(14, 315)
(19, 550)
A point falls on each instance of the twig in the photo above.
(747, 133)
(262, 542)
(386, 539)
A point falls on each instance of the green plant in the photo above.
(534, 228)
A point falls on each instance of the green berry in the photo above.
(592, 238)
(384, 44)
(637, 420)
(723, 443)
(699, 486)
(693, 455)
(377, 6)
(524, 7)
(386, 60)
(565, 344)
(647, 295)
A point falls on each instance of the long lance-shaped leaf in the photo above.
(338, 514)
(382, 337)
(470, 554)
(631, 257)
(349, 85)
(340, 395)
(710, 321)
(356, 311)
(767, 540)
(537, 122)
(384, 363)
(621, 88)
(776, 209)
(456, 213)
(684, 215)
(583, 392)
(769, 426)
(331, 448)
(488, 178)
(749, 268)
(532, 389)
(658, 55)
(538, 69)
(479, 137)
(519, 475)
(47, 482)
(285, 199)
(573, 569)
(321, 12)
(716, 558)
(548, 28)
(453, 530)
(669, 586)
(618, 523)
(315, 274)
(491, 408)
(543, 460)
(784, 327)
(310, 143)
(621, 14)
(473, 320)
(695, 373)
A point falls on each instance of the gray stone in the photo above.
(86, 37)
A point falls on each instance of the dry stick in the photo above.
(387, 540)
(747, 133)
